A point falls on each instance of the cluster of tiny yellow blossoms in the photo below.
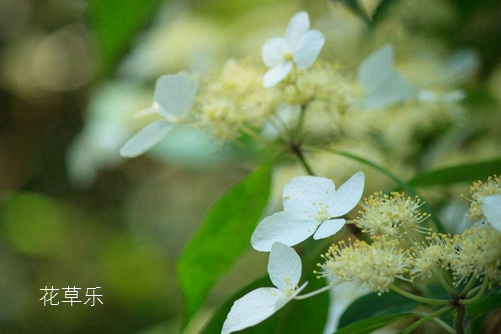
(430, 254)
(236, 100)
(375, 265)
(480, 189)
(476, 253)
(391, 215)
(324, 85)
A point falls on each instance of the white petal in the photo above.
(328, 228)
(382, 84)
(427, 96)
(307, 49)
(145, 139)
(454, 96)
(284, 267)
(253, 308)
(298, 25)
(492, 210)
(285, 227)
(175, 94)
(273, 51)
(449, 97)
(304, 194)
(348, 195)
(276, 74)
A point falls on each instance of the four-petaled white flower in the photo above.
(173, 99)
(284, 268)
(300, 46)
(311, 205)
(491, 206)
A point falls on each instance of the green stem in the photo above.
(281, 127)
(444, 325)
(300, 123)
(425, 319)
(449, 279)
(469, 286)
(438, 321)
(298, 152)
(458, 323)
(438, 275)
(420, 299)
(402, 184)
(251, 133)
(316, 292)
(479, 295)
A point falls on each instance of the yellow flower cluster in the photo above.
(476, 253)
(430, 255)
(473, 255)
(325, 84)
(375, 265)
(391, 215)
(481, 189)
(236, 100)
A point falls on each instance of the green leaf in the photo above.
(114, 24)
(368, 325)
(298, 316)
(223, 237)
(477, 313)
(371, 19)
(460, 173)
(372, 305)
(356, 9)
(381, 11)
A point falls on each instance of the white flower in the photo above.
(492, 210)
(311, 205)
(173, 99)
(284, 268)
(383, 85)
(449, 97)
(299, 47)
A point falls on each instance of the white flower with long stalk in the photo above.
(284, 268)
(311, 205)
(173, 99)
(492, 210)
(299, 47)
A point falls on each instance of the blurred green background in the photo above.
(72, 212)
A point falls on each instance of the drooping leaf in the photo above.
(478, 312)
(115, 23)
(223, 237)
(298, 316)
(369, 325)
(372, 305)
(460, 173)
